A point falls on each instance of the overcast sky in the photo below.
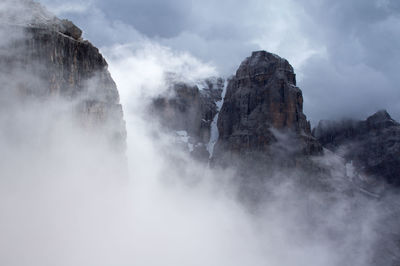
(346, 53)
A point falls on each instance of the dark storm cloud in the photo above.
(151, 17)
(359, 72)
(346, 53)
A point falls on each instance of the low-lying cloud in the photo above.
(66, 198)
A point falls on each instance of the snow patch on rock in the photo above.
(214, 134)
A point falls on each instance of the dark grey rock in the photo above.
(52, 60)
(373, 145)
(68, 28)
(186, 107)
(262, 107)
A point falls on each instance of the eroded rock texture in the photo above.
(263, 107)
(43, 56)
(372, 145)
(188, 110)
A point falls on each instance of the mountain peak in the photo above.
(27, 13)
(380, 119)
(262, 54)
(381, 115)
(261, 102)
(262, 63)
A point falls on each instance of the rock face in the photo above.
(188, 110)
(372, 145)
(58, 63)
(262, 102)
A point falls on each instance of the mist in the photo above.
(67, 198)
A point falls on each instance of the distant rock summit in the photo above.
(372, 145)
(50, 59)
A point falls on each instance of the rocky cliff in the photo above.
(372, 145)
(51, 59)
(372, 148)
(263, 107)
(188, 110)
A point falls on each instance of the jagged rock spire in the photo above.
(263, 98)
